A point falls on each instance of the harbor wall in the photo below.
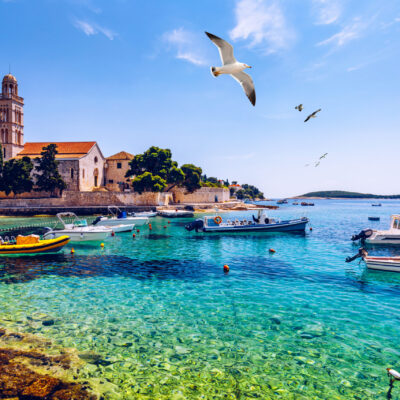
(202, 195)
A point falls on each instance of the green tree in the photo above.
(192, 180)
(249, 192)
(147, 182)
(157, 161)
(16, 176)
(47, 177)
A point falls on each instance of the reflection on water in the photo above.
(158, 319)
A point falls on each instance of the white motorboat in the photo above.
(175, 213)
(391, 264)
(121, 228)
(148, 214)
(118, 217)
(78, 230)
(373, 236)
(261, 223)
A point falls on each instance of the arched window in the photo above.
(4, 153)
(96, 159)
(83, 172)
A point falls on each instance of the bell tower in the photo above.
(11, 118)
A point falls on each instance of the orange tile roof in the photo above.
(122, 155)
(65, 149)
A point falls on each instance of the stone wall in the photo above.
(115, 176)
(203, 195)
(69, 171)
(91, 170)
(87, 199)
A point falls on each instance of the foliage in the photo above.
(213, 182)
(249, 192)
(16, 176)
(48, 178)
(192, 179)
(158, 162)
(147, 182)
(349, 195)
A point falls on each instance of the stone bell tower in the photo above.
(11, 118)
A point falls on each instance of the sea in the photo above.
(166, 322)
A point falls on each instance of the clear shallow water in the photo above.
(169, 324)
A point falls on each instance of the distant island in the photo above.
(335, 194)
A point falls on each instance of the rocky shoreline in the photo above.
(27, 372)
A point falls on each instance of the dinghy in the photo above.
(32, 245)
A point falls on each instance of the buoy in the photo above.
(72, 251)
(226, 268)
(102, 245)
(138, 231)
(112, 233)
(165, 226)
(169, 222)
(393, 373)
(272, 251)
(149, 225)
(310, 228)
(134, 236)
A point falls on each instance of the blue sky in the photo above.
(131, 74)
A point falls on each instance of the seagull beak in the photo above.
(248, 66)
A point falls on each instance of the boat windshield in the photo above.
(80, 223)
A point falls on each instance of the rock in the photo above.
(74, 393)
(90, 357)
(48, 322)
(42, 387)
(275, 320)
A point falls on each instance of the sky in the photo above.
(131, 74)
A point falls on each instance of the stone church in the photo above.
(81, 164)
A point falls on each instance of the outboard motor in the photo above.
(364, 234)
(361, 253)
(256, 220)
(196, 225)
(97, 220)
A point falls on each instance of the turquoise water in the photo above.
(167, 323)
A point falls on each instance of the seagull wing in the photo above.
(247, 84)
(308, 118)
(224, 48)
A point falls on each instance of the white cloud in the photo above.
(263, 22)
(184, 43)
(327, 11)
(90, 29)
(350, 32)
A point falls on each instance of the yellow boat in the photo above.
(33, 245)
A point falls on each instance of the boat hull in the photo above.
(176, 214)
(283, 226)
(122, 228)
(383, 240)
(383, 263)
(110, 222)
(79, 236)
(44, 246)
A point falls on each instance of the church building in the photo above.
(81, 164)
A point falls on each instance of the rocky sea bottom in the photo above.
(156, 317)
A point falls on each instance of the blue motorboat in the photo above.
(261, 223)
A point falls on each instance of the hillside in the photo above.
(348, 195)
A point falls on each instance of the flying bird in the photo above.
(323, 156)
(232, 67)
(313, 115)
(299, 107)
(317, 163)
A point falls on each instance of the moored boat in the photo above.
(32, 245)
(118, 217)
(391, 264)
(261, 223)
(77, 230)
(387, 237)
(175, 213)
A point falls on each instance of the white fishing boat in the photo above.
(381, 237)
(77, 229)
(175, 213)
(391, 264)
(261, 223)
(122, 228)
(118, 217)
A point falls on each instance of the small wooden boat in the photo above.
(376, 205)
(32, 245)
(383, 263)
(175, 213)
(374, 218)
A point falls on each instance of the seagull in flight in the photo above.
(323, 156)
(313, 115)
(232, 67)
(299, 107)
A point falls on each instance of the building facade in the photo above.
(116, 167)
(81, 164)
(11, 118)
